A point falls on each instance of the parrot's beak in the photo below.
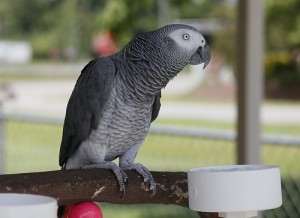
(205, 54)
(202, 55)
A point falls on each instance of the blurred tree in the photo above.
(282, 24)
(56, 26)
(282, 59)
(192, 9)
(21, 16)
(126, 18)
(224, 41)
(50, 25)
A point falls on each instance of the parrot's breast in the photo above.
(123, 124)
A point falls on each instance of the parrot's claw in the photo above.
(144, 172)
(152, 186)
(122, 180)
(122, 177)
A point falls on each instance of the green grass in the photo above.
(197, 123)
(31, 147)
(146, 211)
(281, 129)
(35, 147)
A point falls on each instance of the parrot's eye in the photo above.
(186, 36)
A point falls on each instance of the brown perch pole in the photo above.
(73, 186)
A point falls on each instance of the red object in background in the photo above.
(104, 44)
(85, 210)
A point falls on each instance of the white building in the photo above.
(15, 52)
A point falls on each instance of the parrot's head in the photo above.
(158, 56)
(182, 43)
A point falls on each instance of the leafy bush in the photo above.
(281, 68)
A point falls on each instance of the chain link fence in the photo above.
(30, 144)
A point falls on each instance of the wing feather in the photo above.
(86, 104)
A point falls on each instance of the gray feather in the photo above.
(86, 104)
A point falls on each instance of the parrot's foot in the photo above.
(122, 178)
(144, 172)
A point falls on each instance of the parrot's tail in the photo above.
(64, 211)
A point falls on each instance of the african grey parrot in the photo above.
(117, 97)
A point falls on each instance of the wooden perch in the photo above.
(73, 186)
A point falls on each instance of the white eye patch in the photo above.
(187, 39)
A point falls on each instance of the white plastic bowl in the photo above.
(234, 188)
(27, 206)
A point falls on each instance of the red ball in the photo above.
(86, 210)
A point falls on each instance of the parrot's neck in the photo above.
(146, 78)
